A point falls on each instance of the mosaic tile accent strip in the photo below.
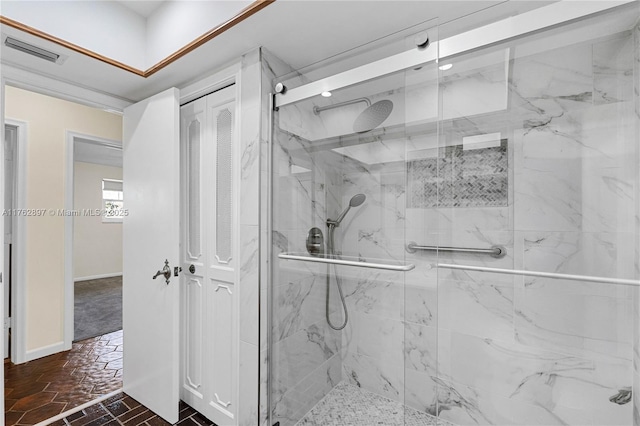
(460, 178)
(349, 405)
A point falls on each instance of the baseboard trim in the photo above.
(78, 408)
(44, 351)
(97, 277)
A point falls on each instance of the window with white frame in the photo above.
(112, 200)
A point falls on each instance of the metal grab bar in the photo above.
(571, 277)
(333, 261)
(495, 251)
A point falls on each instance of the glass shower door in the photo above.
(539, 155)
(339, 261)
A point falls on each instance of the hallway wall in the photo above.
(97, 245)
(48, 121)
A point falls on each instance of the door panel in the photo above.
(222, 273)
(193, 336)
(221, 305)
(209, 297)
(150, 235)
(192, 131)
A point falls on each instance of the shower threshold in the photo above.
(349, 405)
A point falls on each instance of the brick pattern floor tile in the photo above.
(122, 410)
(41, 389)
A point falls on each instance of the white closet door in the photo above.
(209, 297)
(192, 130)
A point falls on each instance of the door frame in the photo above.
(69, 298)
(18, 353)
(37, 83)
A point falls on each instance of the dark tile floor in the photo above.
(41, 389)
(124, 410)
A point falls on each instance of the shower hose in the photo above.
(331, 253)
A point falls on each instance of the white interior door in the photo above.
(151, 234)
(210, 256)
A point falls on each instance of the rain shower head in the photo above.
(373, 116)
(355, 201)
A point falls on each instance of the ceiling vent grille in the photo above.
(31, 49)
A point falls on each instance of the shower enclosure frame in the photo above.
(497, 32)
(512, 28)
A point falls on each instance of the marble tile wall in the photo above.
(248, 288)
(373, 340)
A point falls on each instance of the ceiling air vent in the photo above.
(31, 49)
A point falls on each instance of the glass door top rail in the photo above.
(509, 28)
(571, 277)
(495, 251)
(399, 266)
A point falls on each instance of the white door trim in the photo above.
(18, 343)
(216, 81)
(70, 137)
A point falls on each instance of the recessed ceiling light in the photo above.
(326, 94)
(446, 67)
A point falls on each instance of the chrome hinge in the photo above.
(7, 323)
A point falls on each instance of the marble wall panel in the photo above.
(565, 387)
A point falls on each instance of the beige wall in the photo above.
(48, 121)
(97, 245)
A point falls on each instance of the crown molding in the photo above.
(248, 11)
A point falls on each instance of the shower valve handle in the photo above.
(315, 242)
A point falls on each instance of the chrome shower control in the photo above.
(315, 242)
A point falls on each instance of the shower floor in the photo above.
(349, 405)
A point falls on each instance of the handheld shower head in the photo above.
(355, 201)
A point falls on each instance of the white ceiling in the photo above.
(144, 8)
(300, 32)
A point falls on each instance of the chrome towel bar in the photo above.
(338, 261)
(495, 251)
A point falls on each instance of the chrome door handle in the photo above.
(166, 271)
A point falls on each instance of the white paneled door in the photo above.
(151, 235)
(209, 256)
